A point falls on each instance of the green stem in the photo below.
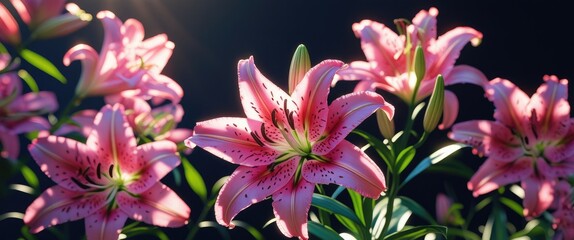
(65, 114)
(208, 205)
(403, 140)
(393, 190)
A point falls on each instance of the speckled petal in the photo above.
(105, 225)
(291, 206)
(154, 160)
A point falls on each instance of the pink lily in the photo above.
(390, 60)
(126, 61)
(9, 30)
(106, 180)
(35, 12)
(20, 113)
(287, 144)
(158, 122)
(563, 221)
(531, 141)
(443, 204)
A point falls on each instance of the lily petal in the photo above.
(493, 174)
(550, 103)
(450, 110)
(509, 102)
(10, 145)
(346, 113)
(449, 46)
(249, 185)
(381, 45)
(348, 166)
(159, 206)
(155, 160)
(488, 138)
(291, 206)
(425, 22)
(311, 97)
(29, 125)
(157, 85)
(231, 140)
(563, 152)
(105, 225)
(58, 205)
(64, 161)
(538, 195)
(113, 138)
(39, 103)
(259, 96)
(466, 74)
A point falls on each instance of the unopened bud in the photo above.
(386, 125)
(9, 30)
(63, 24)
(435, 107)
(420, 66)
(300, 64)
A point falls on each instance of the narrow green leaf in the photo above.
(13, 215)
(252, 230)
(454, 167)
(417, 209)
(30, 177)
(417, 232)
(381, 148)
(463, 234)
(194, 179)
(223, 232)
(516, 207)
(3, 49)
(29, 80)
(217, 185)
(176, 176)
(434, 158)
(42, 64)
(357, 200)
(495, 227)
(405, 158)
(333, 206)
(322, 232)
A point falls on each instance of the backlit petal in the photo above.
(510, 103)
(291, 206)
(249, 185)
(381, 46)
(465, 74)
(347, 166)
(488, 138)
(259, 96)
(113, 138)
(552, 108)
(58, 205)
(154, 160)
(231, 139)
(311, 97)
(538, 195)
(494, 174)
(104, 225)
(346, 113)
(448, 47)
(425, 21)
(159, 206)
(65, 161)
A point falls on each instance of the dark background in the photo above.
(523, 40)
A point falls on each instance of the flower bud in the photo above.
(386, 125)
(63, 24)
(419, 63)
(300, 64)
(9, 30)
(435, 107)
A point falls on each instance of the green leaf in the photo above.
(495, 227)
(417, 209)
(322, 232)
(434, 158)
(357, 200)
(534, 229)
(29, 80)
(144, 230)
(516, 207)
(252, 230)
(194, 179)
(13, 215)
(217, 185)
(463, 234)
(453, 167)
(42, 64)
(176, 176)
(405, 158)
(333, 206)
(211, 224)
(30, 176)
(417, 232)
(381, 148)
